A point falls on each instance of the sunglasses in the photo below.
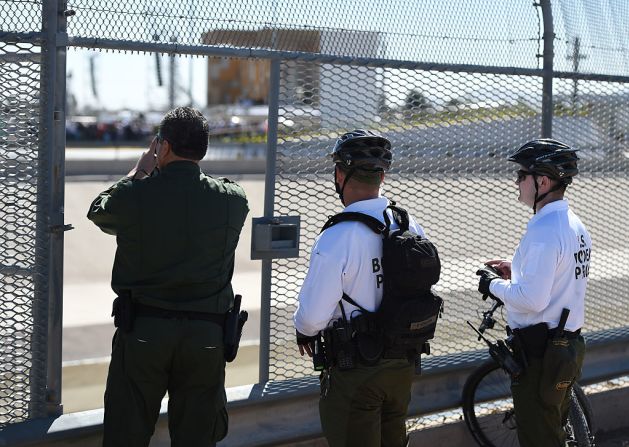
(522, 175)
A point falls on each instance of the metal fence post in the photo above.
(40, 344)
(269, 202)
(47, 305)
(56, 183)
(547, 76)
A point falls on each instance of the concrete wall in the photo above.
(610, 409)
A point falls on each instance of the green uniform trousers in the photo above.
(366, 406)
(183, 357)
(540, 424)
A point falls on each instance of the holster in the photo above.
(235, 320)
(123, 311)
(559, 366)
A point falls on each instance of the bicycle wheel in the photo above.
(580, 425)
(488, 407)
(490, 417)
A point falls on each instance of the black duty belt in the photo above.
(142, 310)
(567, 334)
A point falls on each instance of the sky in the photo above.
(130, 81)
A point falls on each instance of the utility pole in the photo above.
(92, 61)
(158, 63)
(575, 58)
(173, 79)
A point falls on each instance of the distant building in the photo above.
(302, 83)
(236, 80)
(232, 81)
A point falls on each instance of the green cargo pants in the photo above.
(183, 357)
(366, 406)
(539, 424)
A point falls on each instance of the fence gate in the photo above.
(32, 124)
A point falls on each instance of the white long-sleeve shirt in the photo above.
(549, 270)
(346, 257)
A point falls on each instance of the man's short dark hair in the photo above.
(372, 178)
(187, 131)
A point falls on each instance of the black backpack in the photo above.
(407, 316)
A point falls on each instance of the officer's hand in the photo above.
(502, 266)
(146, 163)
(487, 275)
(305, 343)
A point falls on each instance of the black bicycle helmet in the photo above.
(548, 157)
(363, 149)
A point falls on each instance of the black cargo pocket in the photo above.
(559, 371)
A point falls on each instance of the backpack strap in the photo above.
(349, 299)
(374, 224)
(399, 215)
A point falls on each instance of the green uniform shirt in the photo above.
(177, 233)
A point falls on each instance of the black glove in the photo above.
(305, 339)
(487, 275)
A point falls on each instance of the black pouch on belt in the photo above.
(369, 338)
(532, 340)
(559, 366)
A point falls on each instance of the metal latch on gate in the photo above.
(61, 228)
(275, 237)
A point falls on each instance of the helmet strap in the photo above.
(341, 188)
(539, 198)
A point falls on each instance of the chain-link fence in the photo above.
(454, 85)
(469, 32)
(450, 172)
(22, 341)
(591, 37)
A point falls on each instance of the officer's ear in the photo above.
(339, 174)
(168, 148)
(544, 182)
(164, 151)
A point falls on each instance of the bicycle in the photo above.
(487, 405)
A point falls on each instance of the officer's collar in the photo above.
(182, 166)
(557, 205)
(377, 204)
